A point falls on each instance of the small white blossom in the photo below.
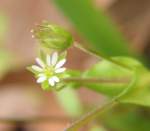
(50, 70)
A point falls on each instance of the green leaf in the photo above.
(126, 117)
(96, 27)
(138, 93)
(108, 70)
(70, 102)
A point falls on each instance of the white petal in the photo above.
(60, 63)
(51, 81)
(41, 74)
(41, 79)
(40, 62)
(55, 78)
(54, 58)
(60, 70)
(37, 68)
(48, 60)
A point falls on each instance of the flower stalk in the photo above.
(98, 55)
(99, 110)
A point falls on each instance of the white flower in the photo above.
(50, 70)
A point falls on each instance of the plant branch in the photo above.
(97, 54)
(99, 110)
(98, 80)
(90, 116)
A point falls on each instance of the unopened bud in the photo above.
(52, 36)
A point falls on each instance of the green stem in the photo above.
(90, 116)
(97, 54)
(99, 110)
(94, 80)
(98, 80)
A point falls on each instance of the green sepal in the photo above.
(42, 56)
(29, 68)
(45, 86)
(53, 37)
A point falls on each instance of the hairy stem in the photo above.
(98, 80)
(97, 54)
(90, 116)
(99, 110)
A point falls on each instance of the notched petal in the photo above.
(56, 79)
(48, 60)
(60, 63)
(41, 79)
(51, 81)
(60, 70)
(37, 68)
(40, 62)
(54, 58)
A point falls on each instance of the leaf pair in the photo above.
(139, 76)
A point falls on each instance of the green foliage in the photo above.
(139, 93)
(105, 41)
(107, 70)
(94, 26)
(126, 118)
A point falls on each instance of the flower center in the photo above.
(49, 71)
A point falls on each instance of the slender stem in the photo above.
(97, 54)
(98, 80)
(99, 110)
(90, 116)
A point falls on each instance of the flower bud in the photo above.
(53, 36)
